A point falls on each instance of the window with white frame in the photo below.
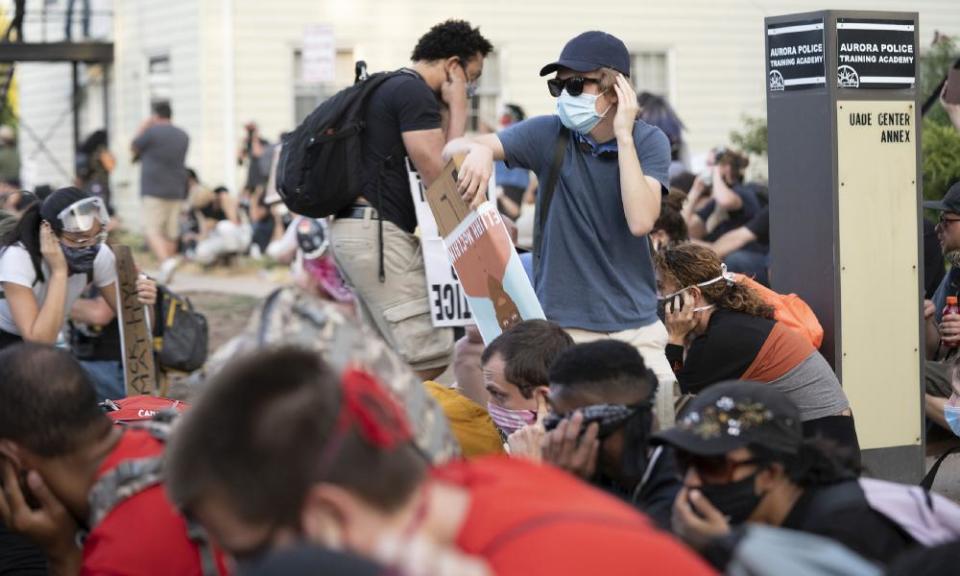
(650, 72)
(309, 95)
(159, 79)
(483, 105)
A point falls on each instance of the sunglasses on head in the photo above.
(574, 85)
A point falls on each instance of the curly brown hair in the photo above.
(689, 264)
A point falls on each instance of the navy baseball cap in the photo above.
(590, 51)
(949, 203)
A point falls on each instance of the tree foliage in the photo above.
(752, 136)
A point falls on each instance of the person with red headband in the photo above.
(281, 450)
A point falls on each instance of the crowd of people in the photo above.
(671, 415)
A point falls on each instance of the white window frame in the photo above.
(316, 92)
(484, 105)
(669, 54)
(166, 92)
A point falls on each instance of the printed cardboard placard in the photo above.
(448, 305)
(135, 338)
(484, 257)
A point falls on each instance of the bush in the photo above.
(935, 62)
(939, 141)
(940, 151)
(753, 137)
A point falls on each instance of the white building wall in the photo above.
(715, 52)
(145, 29)
(715, 47)
(46, 132)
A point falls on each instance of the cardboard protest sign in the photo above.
(486, 261)
(135, 338)
(448, 303)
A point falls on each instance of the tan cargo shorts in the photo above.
(398, 307)
(162, 217)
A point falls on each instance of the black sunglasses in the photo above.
(574, 85)
(710, 466)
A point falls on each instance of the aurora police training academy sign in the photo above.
(875, 53)
(795, 55)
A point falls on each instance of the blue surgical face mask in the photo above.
(579, 113)
(952, 415)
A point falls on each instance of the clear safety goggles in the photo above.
(79, 217)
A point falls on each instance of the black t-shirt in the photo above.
(213, 210)
(401, 104)
(760, 226)
(96, 343)
(656, 495)
(841, 512)
(933, 268)
(749, 208)
(725, 351)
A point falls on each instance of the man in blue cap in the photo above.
(943, 332)
(595, 275)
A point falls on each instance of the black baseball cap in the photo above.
(591, 51)
(736, 414)
(950, 201)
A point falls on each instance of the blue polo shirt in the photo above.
(594, 274)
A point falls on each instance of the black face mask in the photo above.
(80, 260)
(735, 500)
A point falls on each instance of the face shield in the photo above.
(80, 216)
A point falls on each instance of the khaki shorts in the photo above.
(162, 217)
(398, 307)
(651, 342)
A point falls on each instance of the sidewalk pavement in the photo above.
(256, 285)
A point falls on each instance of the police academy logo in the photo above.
(847, 77)
(776, 81)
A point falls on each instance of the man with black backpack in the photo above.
(605, 172)
(410, 116)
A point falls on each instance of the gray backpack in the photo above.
(133, 476)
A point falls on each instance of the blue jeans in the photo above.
(749, 263)
(107, 376)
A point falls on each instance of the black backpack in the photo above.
(181, 336)
(320, 169)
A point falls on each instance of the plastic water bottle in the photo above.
(951, 308)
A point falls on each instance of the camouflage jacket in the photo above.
(292, 316)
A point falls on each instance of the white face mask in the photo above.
(724, 275)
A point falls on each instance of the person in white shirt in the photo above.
(55, 251)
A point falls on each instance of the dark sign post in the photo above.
(845, 211)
